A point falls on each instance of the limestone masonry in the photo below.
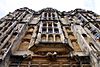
(50, 38)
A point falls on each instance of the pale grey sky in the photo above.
(7, 6)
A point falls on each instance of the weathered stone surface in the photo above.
(50, 38)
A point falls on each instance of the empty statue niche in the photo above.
(25, 40)
(57, 38)
(23, 45)
(50, 38)
(43, 37)
(68, 29)
(27, 36)
(76, 46)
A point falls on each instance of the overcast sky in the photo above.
(7, 6)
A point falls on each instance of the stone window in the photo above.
(57, 38)
(50, 38)
(50, 24)
(53, 15)
(49, 14)
(44, 30)
(45, 14)
(56, 30)
(50, 30)
(43, 37)
(44, 24)
(55, 25)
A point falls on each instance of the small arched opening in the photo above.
(50, 38)
(57, 38)
(43, 37)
